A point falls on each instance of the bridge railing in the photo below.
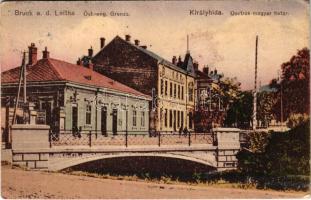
(127, 138)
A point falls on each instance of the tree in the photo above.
(240, 112)
(294, 86)
(277, 153)
(229, 90)
(295, 120)
(265, 103)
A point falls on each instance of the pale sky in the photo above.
(224, 42)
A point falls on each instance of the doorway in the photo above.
(74, 118)
(47, 107)
(104, 120)
(114, 121)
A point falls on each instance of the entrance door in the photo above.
(48, 112)
(114, 121)
(104, 120)
(74, 118)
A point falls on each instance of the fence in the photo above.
(127, 138)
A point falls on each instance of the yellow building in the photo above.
(171, 84)
(176, 96)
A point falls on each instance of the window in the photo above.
(134, 117)
(178, 119)
(182, 92)
(178, 92)
(161, 117)
(174, 90)
(190, 120)
(142, 119)
(171, 118)
(190, 91)
(165, 118)
(175, 118)
(88, 114)
(165, 88)
(171, 89)
(162, 86)
(203, 98)
(182, 119)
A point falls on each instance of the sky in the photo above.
(225, 42)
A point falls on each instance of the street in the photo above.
(18, 183)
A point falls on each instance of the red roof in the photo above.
(56, 70)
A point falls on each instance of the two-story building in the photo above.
(75, 97)
(171, 84)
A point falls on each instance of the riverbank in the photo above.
(19, 183)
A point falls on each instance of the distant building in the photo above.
(171, 84)
(210, 111)
(75, 97)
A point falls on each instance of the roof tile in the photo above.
(57, 70)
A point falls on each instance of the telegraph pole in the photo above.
(187, 43)
(19, 86)
(255, 88)
(25, 86)
(281, 98)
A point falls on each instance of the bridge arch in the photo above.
(61, 164)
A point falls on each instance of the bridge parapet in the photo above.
(34, 148)
(228, 145)
(33, 141)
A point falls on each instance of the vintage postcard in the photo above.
(155, 99)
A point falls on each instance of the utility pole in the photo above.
(281, 105)
(19, 86)
(187, 43)
(281, 98)
(255, 88)
(24, 74)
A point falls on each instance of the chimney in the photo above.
(196, 66)
(79, 61)
(179, 59)
(137, 42)
(32, 54)
(45, 53)
(144, 47)
(174, 59)
(102, 42)
(90, 51)
(127, 38)
(206, 70)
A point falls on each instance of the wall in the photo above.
(29, 142)
(228, 145)
(120, 59)
(110, 101)
(174, 103)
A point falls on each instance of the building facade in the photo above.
(171, 84)
(210, 111)
(68, 97)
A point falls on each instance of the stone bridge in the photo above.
(32, 148)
